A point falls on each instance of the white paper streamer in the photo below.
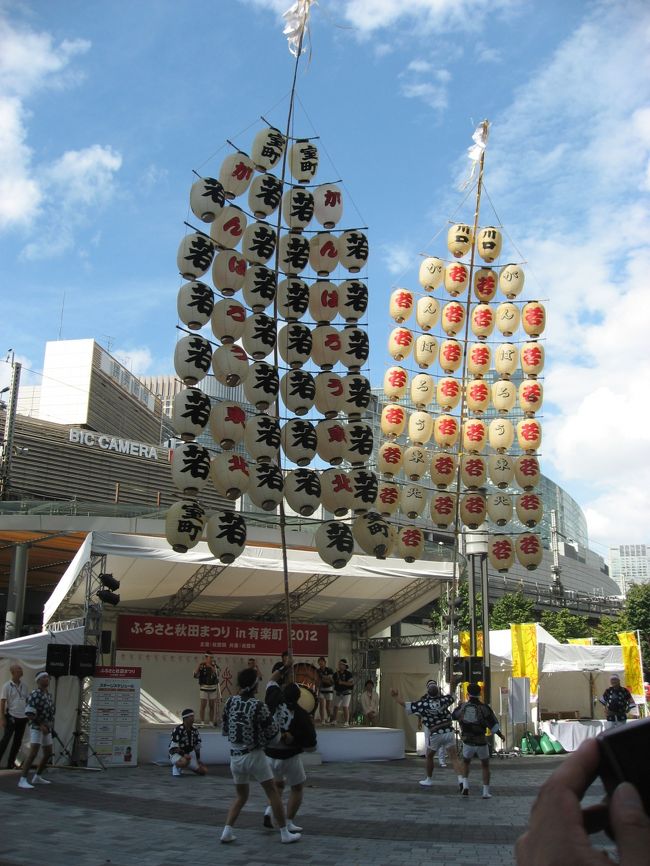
(475, 152)
(296, 17)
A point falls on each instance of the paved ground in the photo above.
(372, 814)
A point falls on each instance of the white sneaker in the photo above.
(176, 771)
(227, 835)
(293, 828)
(426, 783)
(286, 837)
(442, 764)
(487, 796)
(39, 780)
(23, 783)
(346, 724)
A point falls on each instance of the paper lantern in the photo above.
(453, 318)
(443, 509)
(395, 383)
(303, 160)
(477, 396)
(207, 198)
(472, 509)
(530, 509)
(184, 524)
(230, 474)
(531, 396)
(355, 348)
(425, 350)
(356, 395)
(236, 174)
(294, 344)
(228, 272)
(443, 468)
(264, 195)
(329, 394)
(266, 486)
(412, 499)
(506, 360)
(194, 256)
(371, 533)
(459, 240)
(364, 490)
(431, 273)
(427, 313)
(228, 227)
(227, 424)
(326, 346)
(387, 498)
(323, 253)
(293, 254)
(225, 533)
(532, 359)
(192, 357)
(353, 300)
(511, 280)
(448, 393)
(298, 391)
(475, 434)
(501, 469)
(360, 442)
(262, 385)
(389, 458)
(190, 467)
(482, 321)
(499, 508)
(504, 395)
(415, 462)
(488, 243)
(293, 298)
(420, 427)
(446, 431)
(323, 301)
(393, 421)
(230, 365)
(336, 491)
(423, 390)
(400, 343)
(302, 491)
(529, 435)
(260, 333)
(400, 306)
(328, 204)
(268, 147)
(450, 355)
(299, 441)
(262, 438)
(485, 284)
(527, 472)
(334, 543)
(297, 208)
(479, 359)
(473, 470)
(501, 553)
(194, 303)
(410, 543)
(456, 278)
(528, 548)
(533, 318)
(507, 318)
(190, 413)
(258, 243)
(227, 320)
(501, 434)
(353, 250)
(259, 287)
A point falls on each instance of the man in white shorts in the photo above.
(185, 746)
(40, 712)
(343, 682)
(474, 718)
(207, 672)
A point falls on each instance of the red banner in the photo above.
(225, 637)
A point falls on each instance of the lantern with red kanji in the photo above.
(353, 300)
(325, 346)
(371, 533)
(192, 357)
(236, 174)
(477, 396)
(527, 472)
(412, 499)
(194, 304)
(501, 553)
(501, 469)
(450, 355)
(266, 486)
(499, 508)
(230, 474)
(328, 204)
(507, 318)
(531, 396)
(479, 359)
(533, 318)
(529, 550)
(230, 365)
(504, 395)
(423, 390)
(267, 149)
(295, 344)
(448, 393)
(453, 318)
(299, 441)
(459, 240)
(472, 509)
(482, 321)
(297, 208)
(194, 256)
(264, 195)
(260, 334)
(184, 524)
(389, 458)
(353, 250)
(529, 435)
(356, 395)
(456, 278)
(506, 360)
(360, 443)
(227, 424)
(336, 491)
(329, 394)
(443, 468)
(228, 227)
(501, 434)
(190, 413)
(364, 489)
(443, 509)
(410, 543)
(355, 348)
(401, 305)
(302, 491)
(532, 359)
(303, 160)
(475, 434)
(324, 253)
(530, 509)
(258, 243)
(473, 471)
(488, 243)
(228, 272)
(420, 427)
(207, 198)
(485, 284)
(427, 313)
(259, 288)
(190, 467)
(262, 438)
(323, 301)
(293, 253)
(262, 385)
(298, 391)
(446, 431)
(400, 343)
(387, 498)
(331, 441)
(425, 351)
(431, 273)
(225, 533)
(511, 280)
(334, 543)
(227, 320)
(415, 462)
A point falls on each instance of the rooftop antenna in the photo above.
(61, 319)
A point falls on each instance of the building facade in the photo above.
(629, 564)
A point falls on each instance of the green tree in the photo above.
(440, 610)
(636, 615)
(605, 633)
(512, 607)
(563, 624)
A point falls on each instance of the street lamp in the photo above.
(476, 549)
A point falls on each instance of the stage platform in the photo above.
(334, 745)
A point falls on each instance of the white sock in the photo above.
(460, 780)
(486, 789)
(465, 782)
(268, 811)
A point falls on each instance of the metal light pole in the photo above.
(476, 548)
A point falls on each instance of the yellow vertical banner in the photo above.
(465, 643)
(581, 641)
(632, 664)
(524, 652)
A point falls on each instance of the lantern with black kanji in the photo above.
(506, 360)
(298, 391)
(532, 359)
(431, 273)
(531, 396)
(356, 395)
(299, 441)
(442, 509)
(456, 278)
(353, 300)
(294, 344)
(297, 208)
(264, 195)
(511, 280)
(530, 509)
(323, 253)
(302, 491)
(184, 524)
(488, 243)
(453, 318)
(364, 489)
(328, 204)
(387, 498)
(194, 304)
(501, 434)
(501, 469)
(194, 256)
(360, 441)
(427, 313)
(227, 424)
(236, 174)
(423, 390)
(400, 343)
(473, 470)
(482, 321)
(412, 499)
(293, 254)
(393, 421)
(400, 305)
(448, 393)
(459, 240)
(527, 472)
(262, 438)
(230, 474)
(262, 385)
(334, 543)
(420, 427)
(353, 250)
(228, 227)
(501, 553)
(504, 395)
(267, 149)
(425, 351)
(258, 243)
(259, 335)
(303, 160)
(192, 357)
(446, 431)
(533, 318)
(225, 533)
(415, 462)
(443, 468)
(190, 413)
(477, 396)
(293, 298)
(355, 348)
(528, 548)
(485, 284)
(228, 272)
(325, 346)
(507, 318)
(371, 533)
(450, 355)
(336, 491)
(479, 359)
(410, 543)
(266, 486)
(475, 435)
(207, 198)
(331, 441)
(323, 301)
(529, 435)
(472, 509)
(258, 290)
(389, 458)
(227, 320)
(230, 365)
(190, 467)
(499, 508)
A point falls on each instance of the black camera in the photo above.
(625, 757)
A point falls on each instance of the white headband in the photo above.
(41, 674)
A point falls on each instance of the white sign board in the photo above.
(115, 715)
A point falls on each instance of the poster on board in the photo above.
(114, 715)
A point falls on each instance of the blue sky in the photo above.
(105, 109)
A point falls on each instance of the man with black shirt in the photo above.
(207, 673)
(474, 718)
(40, 712)
(325, 690)
(617, 700)
(185, 746)
(343, 683)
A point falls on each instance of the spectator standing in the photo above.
(207, 673)
(370, 703)
(13, 720)
(343, 683)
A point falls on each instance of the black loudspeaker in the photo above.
(107, 642)
(82, 660)
(57, 661)
(434, 654)
(454, 667)
(474, 670)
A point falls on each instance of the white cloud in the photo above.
(398, 257)
(421, 80)
(369, 16)
(137, 359)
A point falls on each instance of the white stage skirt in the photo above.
(571, 733)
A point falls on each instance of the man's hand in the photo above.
(394, 693)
